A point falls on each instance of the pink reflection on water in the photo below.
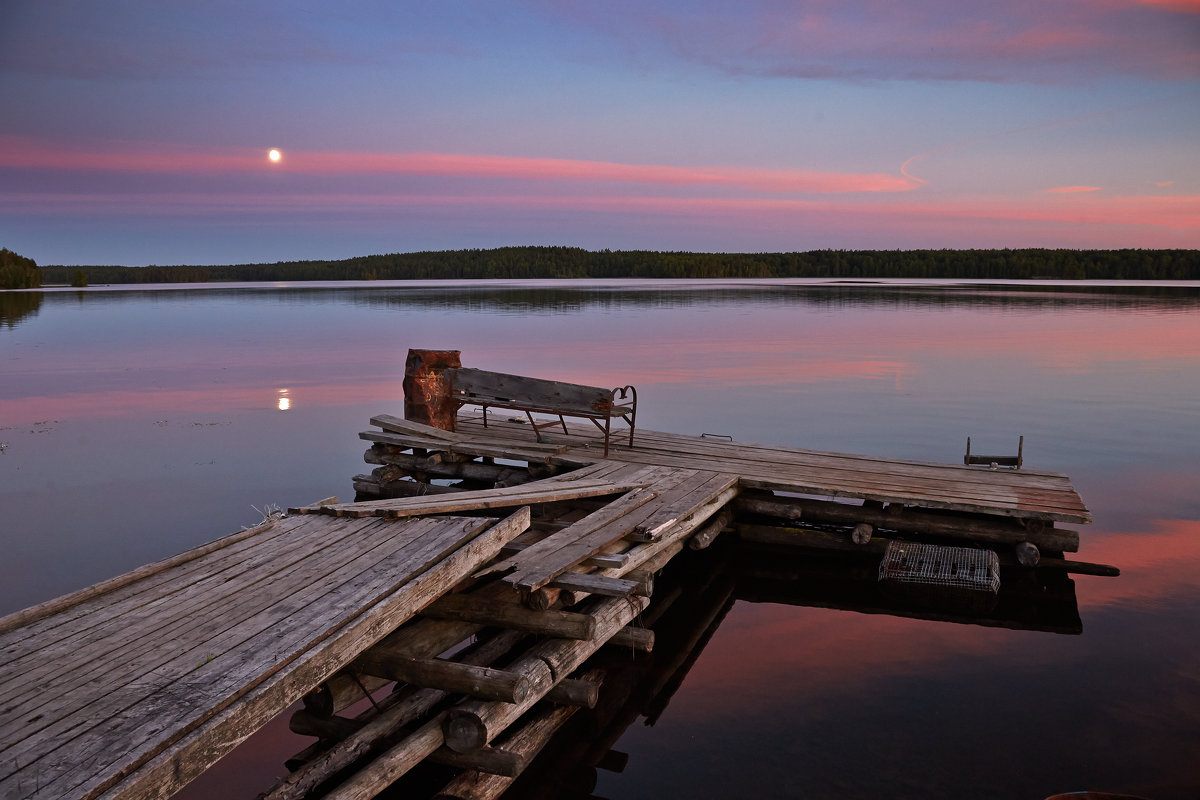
(149, 403)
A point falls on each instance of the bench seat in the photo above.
(540, 396)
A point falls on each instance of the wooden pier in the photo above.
(449, 624)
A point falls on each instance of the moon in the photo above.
(274, 155)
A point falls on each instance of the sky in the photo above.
(137, 132)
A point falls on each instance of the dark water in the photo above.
(137, 423)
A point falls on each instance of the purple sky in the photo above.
(137, 132)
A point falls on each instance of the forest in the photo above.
(18, 272)
(572, 262)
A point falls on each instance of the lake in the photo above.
(138, 422)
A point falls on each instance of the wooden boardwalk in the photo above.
(131, 688)
(134, 687)
(1024, 493)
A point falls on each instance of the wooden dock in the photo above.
(474, 602)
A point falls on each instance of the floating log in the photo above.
(994, 530)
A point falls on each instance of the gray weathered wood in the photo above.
(228, 698)
(432, 673)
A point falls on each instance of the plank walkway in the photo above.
(133, 687)
(1024, 493)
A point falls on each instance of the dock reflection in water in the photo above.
(693, 596)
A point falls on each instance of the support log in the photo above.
(472, 724)
(334, 728)
(432, 673)
(708, 533)
(576, 692)
(635, 638)
(491, 760)
(526, 741)
(392, 718)
(489, 611)
(991, 530)
(827, 540)
(340, 692)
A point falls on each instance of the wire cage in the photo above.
(930, 574)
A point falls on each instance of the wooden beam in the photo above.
(489, 611)
(433, 673)
(996, 530)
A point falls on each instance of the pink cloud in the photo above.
(157, 158)
(993, 40)
(1084, 219)
(1185, 6)
(1072, 189)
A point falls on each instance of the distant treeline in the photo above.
(572, 262)
(18, 272)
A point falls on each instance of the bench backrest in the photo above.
(498, 388)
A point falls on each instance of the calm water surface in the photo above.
(137, 423)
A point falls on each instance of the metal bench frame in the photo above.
(540, 396)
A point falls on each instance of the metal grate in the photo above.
(941, 575)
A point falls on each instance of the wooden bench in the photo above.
(538, 396)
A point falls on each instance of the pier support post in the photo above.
(427, 388)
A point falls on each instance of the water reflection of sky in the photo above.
(136, 424)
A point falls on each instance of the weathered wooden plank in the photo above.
(189, 617)
(642, 554)
(471, 500)
(591, 583)
(691, 496)
(212, 655)
(534, 451)
(815, 472)
(394, 424)
(87, 607)
(537, 393)
(932, 494)
(475, 500)
(176, 762)
(535, 566)
(178, 609)
(57, 605)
